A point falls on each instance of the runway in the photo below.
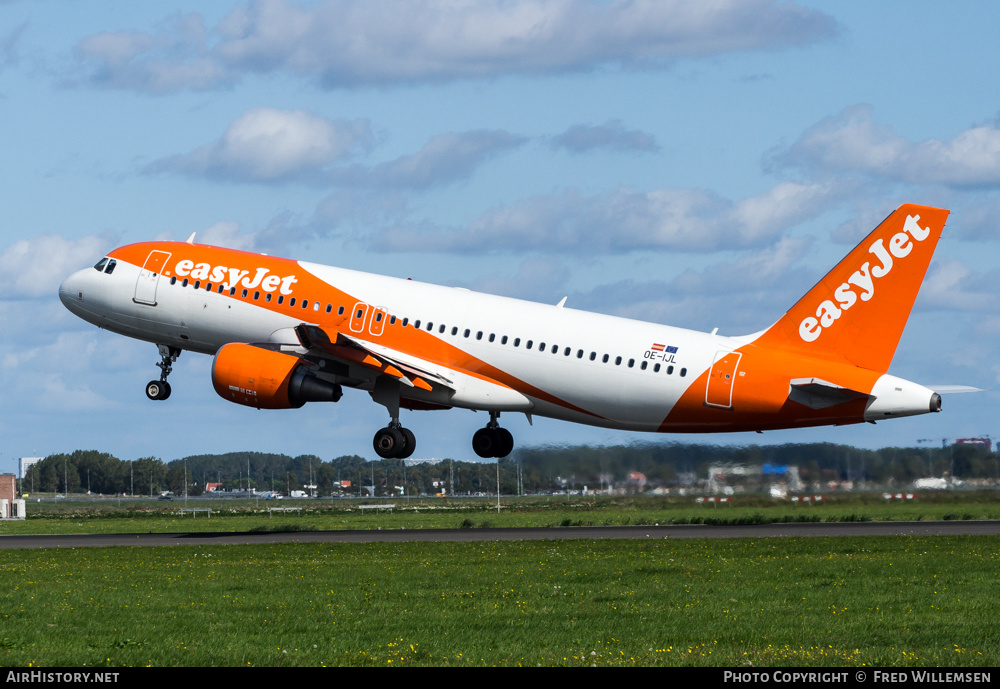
(853, 529)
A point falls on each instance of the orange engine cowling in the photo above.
(267, 379)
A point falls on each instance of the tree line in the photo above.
(639, 466)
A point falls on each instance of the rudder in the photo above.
(857, 312)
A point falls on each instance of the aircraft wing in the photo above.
(380, 360)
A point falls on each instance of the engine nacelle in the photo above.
(267, 379)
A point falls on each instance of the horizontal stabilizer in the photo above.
(816, 393)
(953, 389)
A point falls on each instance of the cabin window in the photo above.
(492, 336)
(173, 280)
(467, 331)
(517, 341)
(684, 372)
(618, 361)
(208, 286)
(267, 297)
(503, 340)
(291, 301)
(430, 326)
(185, 284)
(406, 321)
(441, 328)
(222, 288)
(281, 299)
(315, 306)
(197, 284)
(245, 292)
(305, 303)
(454, 330)
(479, 335)
(605, 359)
(631, 363)
(656, 368)
(555, 349)
(530, 342)
(340, 311)
(256, 295)
(644, 364)
(670, 370)
(416, 324)
(378, 317)
(329, 308)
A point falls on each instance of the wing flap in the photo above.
(378, 359)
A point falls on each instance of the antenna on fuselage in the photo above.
(190, 240)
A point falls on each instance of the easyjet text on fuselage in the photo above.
(234, 277)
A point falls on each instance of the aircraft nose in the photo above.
(71, 291)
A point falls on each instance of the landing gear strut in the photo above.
(393, 441)
(493, 441)
(160, 389)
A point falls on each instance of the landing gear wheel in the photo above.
(389, 442)
(157, 390)
(484, 442)
(410, 444)
(505, 442)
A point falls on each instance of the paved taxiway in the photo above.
(930, 528)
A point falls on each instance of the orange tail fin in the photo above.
(858, 311)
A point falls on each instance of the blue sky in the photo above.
(698, 164)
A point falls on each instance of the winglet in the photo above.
(858, 311)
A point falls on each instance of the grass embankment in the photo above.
(816, 601)
(111, 515)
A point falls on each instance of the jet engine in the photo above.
(267, 379)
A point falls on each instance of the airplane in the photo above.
(285, 332)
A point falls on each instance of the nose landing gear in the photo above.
(493, 441)
(160, 389)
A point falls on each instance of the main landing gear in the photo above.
(160, 389)
(394, 441)
(493, 441)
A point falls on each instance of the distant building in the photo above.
(10, 506)
(24, 462)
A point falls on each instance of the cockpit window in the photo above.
(100, 265)
(111, 266)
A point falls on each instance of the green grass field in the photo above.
(110, 515)
(816, 601)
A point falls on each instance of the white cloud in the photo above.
(950, 285)
(32, 268)
(536, 280)
(345, 43)
(175, 58)
(270, 145)
(443, 159)
(610, 135)
(674, 219)
(852, 141)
